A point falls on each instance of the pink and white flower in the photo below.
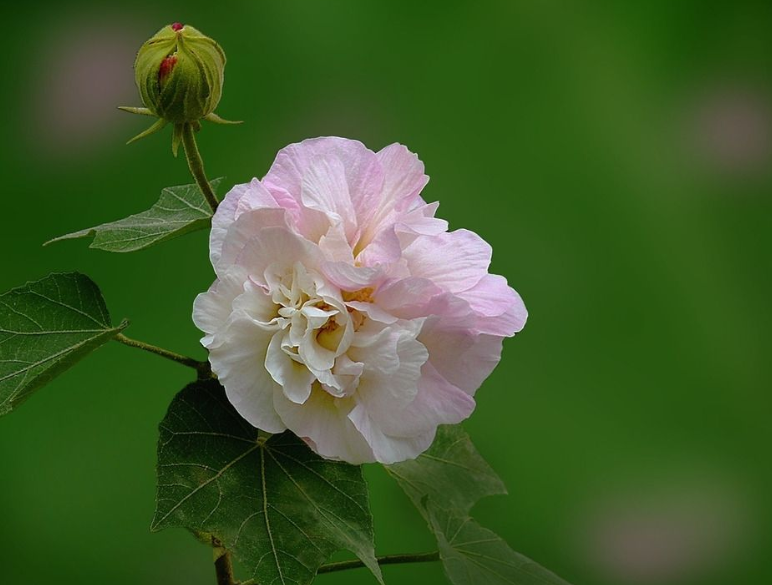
(343, 310)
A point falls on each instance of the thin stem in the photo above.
(196, 165)
(223, 567)
(200, 367)
(387, 560)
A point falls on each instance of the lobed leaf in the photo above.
(180, 210)
(452, 473)
(280, 508)
(473, 555)
(445, 483)
(45, 328)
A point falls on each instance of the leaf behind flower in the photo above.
(45, 328)
(280, 508)
(452, 473)
(444, 483)
(473, 555)
(179, 210)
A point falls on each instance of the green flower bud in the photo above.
(179, 74)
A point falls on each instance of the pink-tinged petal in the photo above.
(352, 278)
(404, 177)
(455, 261)
(256, 197)
(294, 377)
(335, 246)
(223, 218)
(322, 421)
(407, 298)
(324, 188)
(389, 449)
(438, 402)
(373, 311)
(244, 229)
(274, 248)
(364, 175)
(503, 309)
(421, 221)
(212, 309)
(385, 249)
(239, 364)
(463, 358)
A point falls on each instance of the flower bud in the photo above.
(179, 74)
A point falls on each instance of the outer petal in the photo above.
(223, 218)
(438, 402)
(322, 421)
(241, 231)
(364, 175)
(324, 188)
(404, 178)
(463, 358)
(212, 308)
(500, 306)
(239, 363)
(389, 449)
(455, 261)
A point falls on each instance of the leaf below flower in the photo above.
(445, 483)
(473, 555)
(280, 508)
(452, 473)
(45, 328)
(180, 210)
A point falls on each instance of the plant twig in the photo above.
(223, 567)
(201, 367)
(196, 165)
(387, 560)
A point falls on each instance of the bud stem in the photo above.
(196, 165)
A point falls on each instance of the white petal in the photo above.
(239, 364)
(294, 378)
(274, 248)
(392, 370)
(256, 302)
(323, 422)
(389, 449)
(438, 402)
(212, 308)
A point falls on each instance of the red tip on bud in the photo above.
(166, 67)
(177, 26)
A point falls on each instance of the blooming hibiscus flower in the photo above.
(343, 310)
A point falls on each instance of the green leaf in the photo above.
(445, 483)
(45, 328)
(473, 555)
(280, 508)
(452, 473)
(180, 210)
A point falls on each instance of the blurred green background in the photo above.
(617, 155)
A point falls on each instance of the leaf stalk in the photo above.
(201, 367)
(385, 560)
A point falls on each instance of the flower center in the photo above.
(363, 295)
